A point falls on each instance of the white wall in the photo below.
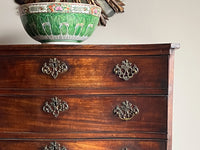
(152, 21)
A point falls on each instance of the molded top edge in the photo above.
(111, 49)
(89, 46)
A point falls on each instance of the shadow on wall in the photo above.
(13, 37)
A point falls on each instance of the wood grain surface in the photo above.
(92, 92)
(85, 114)
(94, 72)
(100, 144)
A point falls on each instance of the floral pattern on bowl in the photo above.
(59, 22)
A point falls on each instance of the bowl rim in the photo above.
(43, 7)
(60, 3)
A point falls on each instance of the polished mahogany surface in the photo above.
(88, 97)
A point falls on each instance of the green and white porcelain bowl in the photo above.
(59, 21)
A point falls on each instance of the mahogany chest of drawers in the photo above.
(86, 97)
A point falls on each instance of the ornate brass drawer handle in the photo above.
(126, 111)
(126, 71)
(55, 106)
(54, 67)
(54, 146)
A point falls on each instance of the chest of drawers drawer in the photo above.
(83, 144)
(88, 97)
(83, 114)
(81, 72)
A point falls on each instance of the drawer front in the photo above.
(67, 114)
(94, 72)
(84, 145)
